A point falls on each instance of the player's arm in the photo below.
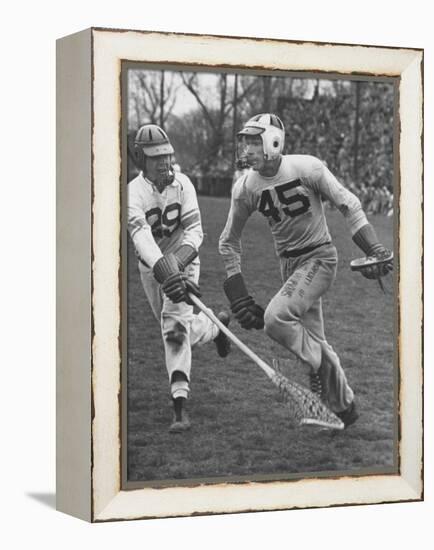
(230, 239)
(247, 312)
(164, 267)
(140, 231)
(191, 225)
(363, 233)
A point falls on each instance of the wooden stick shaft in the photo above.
(245, 349)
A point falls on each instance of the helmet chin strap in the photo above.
(164, 180)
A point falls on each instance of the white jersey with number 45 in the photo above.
(161, 222)
(292, 202)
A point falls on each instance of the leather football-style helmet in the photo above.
(151, 141)
(271, 130)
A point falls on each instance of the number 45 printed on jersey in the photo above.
(293, 203)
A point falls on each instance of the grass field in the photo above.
(239, 424)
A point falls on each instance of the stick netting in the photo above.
(304, 407)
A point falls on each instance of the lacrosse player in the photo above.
(288, 190)
(165, 226)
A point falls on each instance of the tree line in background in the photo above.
(347, 124)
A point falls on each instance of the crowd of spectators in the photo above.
(374, 199)
(351, 131)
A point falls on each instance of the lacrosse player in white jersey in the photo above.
(165, 226)
(288, 190)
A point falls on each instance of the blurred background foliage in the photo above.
(347, 124)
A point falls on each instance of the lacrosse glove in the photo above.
(174, 284)
(246, 311)
(185, 255)
(366, 239)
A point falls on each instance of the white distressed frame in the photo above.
(109, 47)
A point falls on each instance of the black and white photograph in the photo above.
(244, 297)
(110, 439)
(259, 297)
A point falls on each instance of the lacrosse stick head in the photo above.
(375, 267)
(304, 407)
(360, 264)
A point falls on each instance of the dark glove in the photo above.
(185, 255)
(176, 287)
(174, 284)
(246, 311)
(192, 288)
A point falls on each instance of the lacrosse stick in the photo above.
(304, 406)
(379, 266)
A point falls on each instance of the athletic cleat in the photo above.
(315, 382)
(222, 342)
(349, 415)
(179, 426)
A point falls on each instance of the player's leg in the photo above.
(181, 329)
(202, 329)
(175, 329)
(286, 316)
(175, 322)
(294, 319)
(330, 379)
(152, 290)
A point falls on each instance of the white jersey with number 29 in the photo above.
(161, 222)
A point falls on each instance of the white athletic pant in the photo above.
(294, 319)
(181, 329)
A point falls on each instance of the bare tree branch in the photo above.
(190, 86)
(230, 104)
(169, 108)
(170, 97)
(147, 100)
